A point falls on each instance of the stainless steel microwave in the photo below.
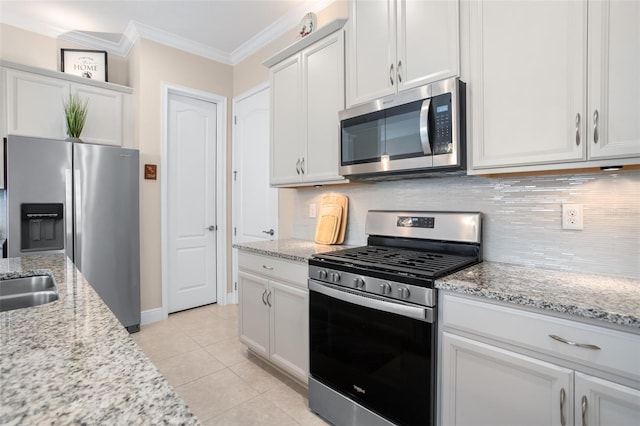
(416, 132)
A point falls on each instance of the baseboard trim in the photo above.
(232, 298)
(151, 315)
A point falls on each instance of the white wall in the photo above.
(522, 215)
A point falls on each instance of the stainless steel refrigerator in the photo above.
(82, 200)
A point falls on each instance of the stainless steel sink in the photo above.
(24, 292)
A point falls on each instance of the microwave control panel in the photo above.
(442, 124)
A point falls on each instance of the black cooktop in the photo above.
(402, 261)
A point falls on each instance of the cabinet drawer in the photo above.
(295, 273)
(618, 354)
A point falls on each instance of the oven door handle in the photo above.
(371, 301)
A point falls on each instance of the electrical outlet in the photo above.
(312, 210)
(572, 217)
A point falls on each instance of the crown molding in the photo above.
(137, 30)
(278, 28)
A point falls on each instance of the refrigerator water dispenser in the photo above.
(42, 227)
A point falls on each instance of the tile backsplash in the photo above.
(522, 215)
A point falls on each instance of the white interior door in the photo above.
(191, 207)
(255, 203)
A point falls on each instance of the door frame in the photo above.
(221, 171)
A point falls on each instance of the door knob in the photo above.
(211, 228)
(269, 232)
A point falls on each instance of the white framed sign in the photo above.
(85, 63)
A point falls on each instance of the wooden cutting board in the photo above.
(342, 201)
(328, 226)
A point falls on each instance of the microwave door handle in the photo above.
(424, 127)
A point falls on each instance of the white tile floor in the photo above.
(199, 353)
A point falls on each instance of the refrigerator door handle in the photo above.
(77, 247)
(68, 213)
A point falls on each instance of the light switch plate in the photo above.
(312, 210)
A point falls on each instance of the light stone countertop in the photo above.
(613, 300)
(288, 249)
(72, 362)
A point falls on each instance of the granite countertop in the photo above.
(72, 362)
(289, 249)
(613, 300)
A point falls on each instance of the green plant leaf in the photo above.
(75, 110)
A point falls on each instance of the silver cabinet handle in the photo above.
(391, 75)
(596, 116)
(399, 75)
(424, 127)
(302, 165)
(584, 410)
(269, 299)
(211, 228)
(298, 166)
(578, 129)
(579, 345)
(263, 294)
(269, 232)
(268, 268)
(563, 395)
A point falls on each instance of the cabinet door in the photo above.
(486, 385)
(601, 402)
(427, 38)
(286, 122)
(290, 328)
(323, 83)
(35, 105)
(614, 83)
(104, 115)
(372, 50)
(254, 312)
(528, 69)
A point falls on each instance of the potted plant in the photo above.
(75, 110)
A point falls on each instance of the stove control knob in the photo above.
(385, 288)
(322, 274)
(334, 277)
(404, 292)
(358, 282)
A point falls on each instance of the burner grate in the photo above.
(400, 260)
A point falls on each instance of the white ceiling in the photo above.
(223, 30)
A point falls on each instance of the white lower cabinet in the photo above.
(495, 370)
(487, 385)
(274, 311)
(600, 402)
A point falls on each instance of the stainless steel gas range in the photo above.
(372, 317)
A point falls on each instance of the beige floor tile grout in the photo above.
(256, 375)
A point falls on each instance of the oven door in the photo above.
(377, 353)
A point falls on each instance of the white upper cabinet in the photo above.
(395, 45)
(108, 115)
(536, 103)
(613, 113)
(307, 92)
(34, 104)
(286, 105)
